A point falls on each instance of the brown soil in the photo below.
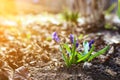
(31, 46)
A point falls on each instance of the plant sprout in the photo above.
(70, 16)
(70, 52)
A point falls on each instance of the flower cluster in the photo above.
(90, 43)
(72, 40)
(55, 37)
(72, 56)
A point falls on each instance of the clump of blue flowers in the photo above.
(70, 52)
(55, 37)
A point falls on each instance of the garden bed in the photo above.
(30, 45)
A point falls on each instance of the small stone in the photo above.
(117, 61)
(111, 50)
(102, 58)
(111, 72)
(87, 65)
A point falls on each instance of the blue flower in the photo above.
(79, 50)
(77, 44)
(72, 38)
(55, 37)
(90, 43)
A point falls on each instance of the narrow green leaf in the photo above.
(73, 58)
(112, 7)
(118, 11)
(67, 48)
(65, 57)
(74, 45)
(86, 55)
(79, 55)
(98, 53)
(73, 55)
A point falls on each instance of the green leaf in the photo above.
(86, 47)
(73, 56)
(112, 7)
(118, 11)
(74, 45)
(72, 59)
(79, 55)
(98, 53)
(66, 46)
(65, 57)
(86, 56)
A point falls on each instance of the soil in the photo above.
(106, 68)
(30, 45)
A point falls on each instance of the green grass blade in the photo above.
(79, 55)
(66, 46)
(65, 57)
(87, 55)
(72, 60)
(98, 53)
(112, 7)
(118, 11)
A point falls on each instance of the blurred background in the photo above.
(91, 10)
(36, 6)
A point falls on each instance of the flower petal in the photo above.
(77, 44)
(90, 43)
(55, 37)
(72, 38)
